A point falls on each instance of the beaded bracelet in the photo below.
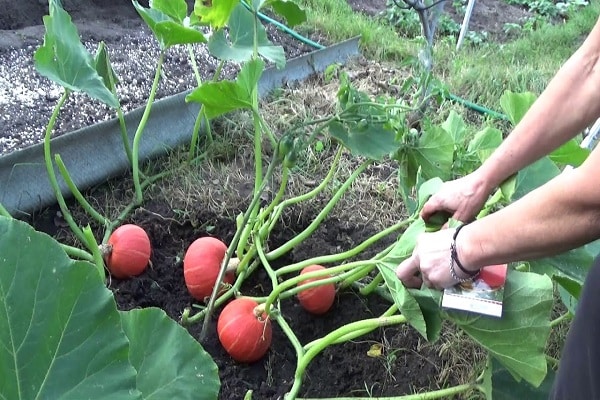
(455, 261)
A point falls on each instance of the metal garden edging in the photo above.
(90, 153)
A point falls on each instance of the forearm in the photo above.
(570, 103)
(561, 215)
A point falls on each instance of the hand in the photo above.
(431, 257)
(462, 198)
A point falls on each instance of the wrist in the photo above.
(467, 251)
(488, 177)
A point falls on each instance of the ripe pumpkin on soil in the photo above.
(201, 265)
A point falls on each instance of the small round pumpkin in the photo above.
(244, 330)
(201, 265)
(319, 299)
(128, 251)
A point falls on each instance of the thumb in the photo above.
(407, 272)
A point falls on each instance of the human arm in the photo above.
(561, 215)
(570, 102)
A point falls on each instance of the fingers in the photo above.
(430, 207)
(435, 211)
(408, 272)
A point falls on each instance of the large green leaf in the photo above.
(421, 307)
(373, 141)
(60, 332)
(428, 189)
(65, 60)
(515, 105)
(222, 97)
(573, 264)
(504, 386)
(104, 68)
(485, 142)
(534, 176)
(455, 126)
(238, 44)
(570, 153)
(171, 364)
(518, 338)
(429, 301)
(168, 31)
(433, 153)
(217, 14)
(293, 14)
(176, 9)
(407, 304)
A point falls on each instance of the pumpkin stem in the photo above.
(234, 262)
(105, 249)
(259, 312)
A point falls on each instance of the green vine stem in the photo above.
(434, 394)
(140, 129)
(194, 64)
(267, 129)
(289, 332)
(201, 117)
(77, 194)
(388, 313)
(96, 253)
(75, 252)
(4, 211)
(258, 176)
(361, 273)
(368, 289)
(287, 293)
(357, 275)
(283, 249)
(266, 265)
(281, 287)
(332, 258)
(564, 317)
(52, 176)
(201, 114)
(234, 244)
(120, 117)
(349, 330)
(276, 200)
(309, 195)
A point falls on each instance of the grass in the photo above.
(479, 74)
(337, 21)
(527, 64)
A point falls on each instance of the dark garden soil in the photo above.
(342, 370)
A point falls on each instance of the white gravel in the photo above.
(27, 98)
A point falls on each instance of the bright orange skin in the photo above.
(494, 275)
(319, 299)
(244, 336)
(201, 266)
(130, 253)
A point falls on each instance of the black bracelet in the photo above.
(454, 254)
